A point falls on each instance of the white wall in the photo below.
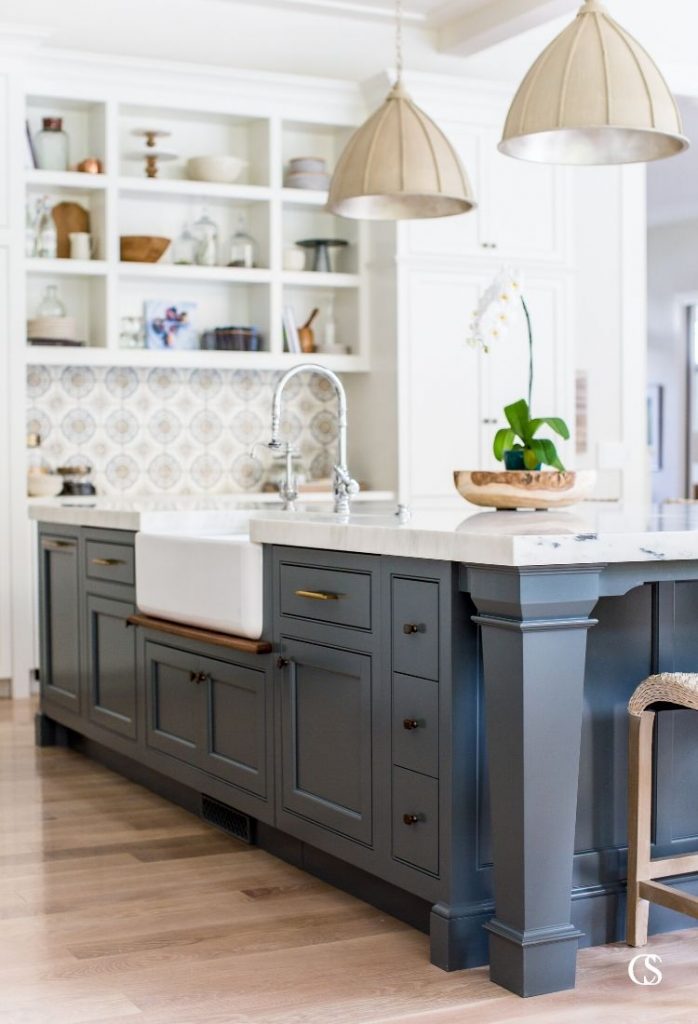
(673, 278)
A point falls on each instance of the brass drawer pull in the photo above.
(411, 819)
(410, 723)
(413, 627)
(107, 561)
(58, 545)
(318, 595)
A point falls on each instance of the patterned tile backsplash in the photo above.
(168, 430)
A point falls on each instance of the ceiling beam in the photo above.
(496, 21)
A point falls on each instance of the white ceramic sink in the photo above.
(209, 580)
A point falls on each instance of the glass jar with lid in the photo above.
(242, 251)
(184, 248)
(51, 145)
(51, 303)
(206, 233)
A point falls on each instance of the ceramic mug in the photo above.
(81, 245)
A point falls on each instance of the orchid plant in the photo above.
(516, 444)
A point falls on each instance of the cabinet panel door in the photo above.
(111, 664)
(441, 407)
(235, 745)
(60, 620)
(327, 737)
(173, 696)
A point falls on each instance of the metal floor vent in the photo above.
(227, 819)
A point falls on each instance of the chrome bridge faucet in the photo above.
(343, 487)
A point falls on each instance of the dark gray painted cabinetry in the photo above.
(111, 663)
(59, 585)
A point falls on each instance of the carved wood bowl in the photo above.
(521, 488)
(142, 248)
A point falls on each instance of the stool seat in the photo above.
(670, 690)
(677, 688)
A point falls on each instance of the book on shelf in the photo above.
(291, 330)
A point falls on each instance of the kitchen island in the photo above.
(437, 726)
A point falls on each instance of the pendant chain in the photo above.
(398, 38)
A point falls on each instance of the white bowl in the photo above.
(304, 179)
(44, 485)
(223, 169)
(309, 164)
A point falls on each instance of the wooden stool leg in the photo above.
(639, 823)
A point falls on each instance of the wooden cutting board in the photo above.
(69, 217)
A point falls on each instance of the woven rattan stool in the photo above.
(669, 690)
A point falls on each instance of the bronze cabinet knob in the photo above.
(282, 662)
(413, 627)
(410, 723)
(410, 819)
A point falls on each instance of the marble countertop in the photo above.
(589, 533)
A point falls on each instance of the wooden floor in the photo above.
(116, 906)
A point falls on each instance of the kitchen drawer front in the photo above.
(415, 614)
(173, 702)
(416, 842)
(339, 597)
(416, 724)
(110, 561)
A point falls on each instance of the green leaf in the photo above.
(547, 453)
(554, 422)
(503, 440)
(531, 458)
(518, 418)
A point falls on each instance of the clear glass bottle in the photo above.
(207, 241)
(51, 145)
(46, 235)
(184, 248)
(243, 248)
(51, 304)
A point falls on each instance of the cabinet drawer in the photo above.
(416, 724)
(416, 842)
(108, 561)
(330, 595)
(415, 627)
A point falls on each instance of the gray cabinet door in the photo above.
(173, 701)
(111, 664)
(235, 741)
(60, 620)
(326, 726)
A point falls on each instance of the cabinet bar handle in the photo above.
(318, 595)
(410, 723)
(413, 627)
(410, 819)
(107, 561)
(58, 545)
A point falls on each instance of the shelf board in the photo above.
(76, 181)
(185, 272)
(94, 356)
(303, 197)
(66, 267)
(192, 189)
(317, 279)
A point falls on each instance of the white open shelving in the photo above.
(123, 201)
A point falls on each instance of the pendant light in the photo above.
(399, 165)
(594, 96)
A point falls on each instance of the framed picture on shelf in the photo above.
(170, 325)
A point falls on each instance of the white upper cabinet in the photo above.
(520, 212)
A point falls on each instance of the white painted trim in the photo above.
(498, 21)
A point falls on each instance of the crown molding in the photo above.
(22, 39)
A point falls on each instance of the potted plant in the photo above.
(524, 482)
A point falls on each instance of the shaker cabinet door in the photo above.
(173, 701)
(326, 725)
(111, 664)
(235, 744)
(60, 620)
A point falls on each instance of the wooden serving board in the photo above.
(69, 217)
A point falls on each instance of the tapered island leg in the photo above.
(534, 629)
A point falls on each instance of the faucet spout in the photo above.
(344, 487)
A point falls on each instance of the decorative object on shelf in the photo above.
(51, 145)
(41, 483)
(46, 245)
(222, 169)
(294, 258)
(322, 262)
(31, 219)
(142, 248)
(69, 218)
(306, 334)
(76, 480)
(291, 330)
(232, 339)
(132, 332)
(399, 165)
(51, 304)
(243, 248)
(151, 154)
(524, 489)
(206, 234)
(594, 96)
(170, 325)
(90, 165)
(81, 245)
(307, 172)
(184, 248)
(51, 325)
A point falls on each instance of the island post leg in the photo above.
(534, 624)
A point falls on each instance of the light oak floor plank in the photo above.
(117, 907)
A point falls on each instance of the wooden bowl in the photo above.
(142, 248)
(520, 488)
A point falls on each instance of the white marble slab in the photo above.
(590, 533)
